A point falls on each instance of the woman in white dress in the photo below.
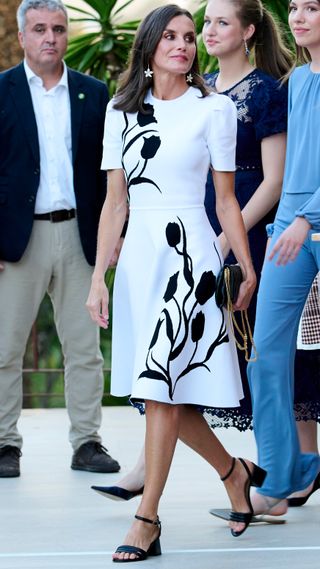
(171, 348)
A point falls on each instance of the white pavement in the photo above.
(50, 518)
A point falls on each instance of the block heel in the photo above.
(258, 475)
(140, 554)
(155, 548)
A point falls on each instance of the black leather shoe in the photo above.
(9, 461)
(93, 457)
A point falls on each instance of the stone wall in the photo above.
(10, 51)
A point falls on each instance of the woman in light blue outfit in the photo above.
(292, 262)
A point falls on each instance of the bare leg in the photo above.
(162, 429)
(215, 453)
(196, 433)
(307, 432)
(135, 478)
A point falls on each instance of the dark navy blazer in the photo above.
(20, 159)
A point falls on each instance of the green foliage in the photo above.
(206, 62)
(102, 52)
(46, 388)
(279, 10)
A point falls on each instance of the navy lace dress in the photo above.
(262, 111)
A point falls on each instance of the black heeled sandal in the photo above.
(141, 554)
(255, 478)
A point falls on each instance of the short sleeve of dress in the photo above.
(112, 141)
(269, 108)
(222, 134)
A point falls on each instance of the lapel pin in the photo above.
(81, 96)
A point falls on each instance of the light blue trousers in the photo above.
(282, 294)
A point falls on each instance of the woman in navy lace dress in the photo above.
(262, 113)
(253, 85)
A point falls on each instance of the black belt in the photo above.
(56, 216)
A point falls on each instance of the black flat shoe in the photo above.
(141, 554)
(296, 502)
(117, 493)
(255, 478)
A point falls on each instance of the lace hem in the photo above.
(307, 411)
(226, 418)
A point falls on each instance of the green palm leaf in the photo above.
(104, 52)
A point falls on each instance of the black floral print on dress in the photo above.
(149, 149)
(191, 322)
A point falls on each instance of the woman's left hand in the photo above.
(290, 241)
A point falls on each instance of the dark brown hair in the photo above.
(133, 85)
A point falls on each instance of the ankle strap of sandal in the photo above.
(223, 478)
(154, 522)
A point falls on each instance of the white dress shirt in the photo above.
(53, 117)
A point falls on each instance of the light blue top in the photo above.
(301, 186)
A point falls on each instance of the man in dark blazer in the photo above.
(51, 194)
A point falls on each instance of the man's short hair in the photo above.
(51, 5)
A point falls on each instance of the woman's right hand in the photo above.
(98, 303)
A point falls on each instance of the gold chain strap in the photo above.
(244, 323)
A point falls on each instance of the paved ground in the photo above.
(51, 519)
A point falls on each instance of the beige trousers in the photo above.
(53, 262)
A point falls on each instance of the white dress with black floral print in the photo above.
(171, 343)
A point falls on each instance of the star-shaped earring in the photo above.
(148, 72)
(189, 78)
